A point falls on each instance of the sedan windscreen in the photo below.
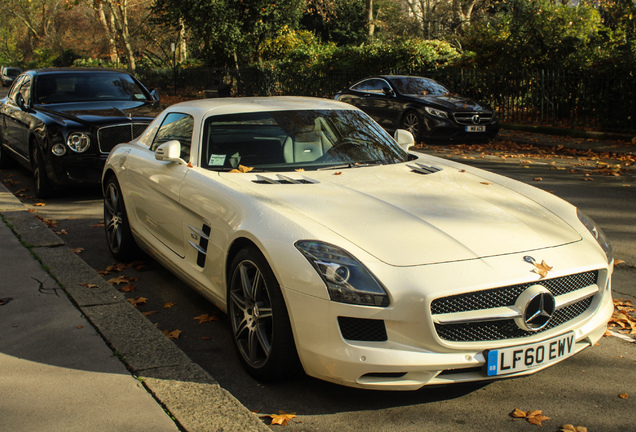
(299, 139)
(82, 87)
(419, 86)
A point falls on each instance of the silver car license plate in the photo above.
(524, 357)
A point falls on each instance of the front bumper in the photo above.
(412, 354)
(75, 169)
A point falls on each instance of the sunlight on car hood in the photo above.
(405, 218)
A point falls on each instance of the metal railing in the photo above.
(604, 101)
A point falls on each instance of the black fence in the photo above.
(582, 100)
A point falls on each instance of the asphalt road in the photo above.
(583, 390)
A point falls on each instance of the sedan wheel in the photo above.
(118, 235)
(43, 187)
(412, 123)
(260, 324)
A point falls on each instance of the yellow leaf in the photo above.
(623, 396)
(40, 204)
(517, 413)
(138, 301)
(542, 269)
(172, 334)
(242, 169)
(168, 305)
(281, 418)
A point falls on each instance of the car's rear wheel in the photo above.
(261, 330)
(43, 186)
(412, 122)
(118, 235)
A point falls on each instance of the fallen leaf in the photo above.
(281, 418)
(89, 285)
(128, 288)
(78, 250)
(149, 313)
(80, 327)
(40, 204)
(168, 305)
(486, 183)
(172, 334)
(538, 179)
(205, 338)
(98, 225)
(338, 173)
(572, 428)
(534, 417)
(542, 269)
(623, 396)
(206, 318)
(138, 301)
(242, 169)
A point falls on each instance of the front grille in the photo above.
(360, 329)
(468, 118)
(109, 136)
(507, 296)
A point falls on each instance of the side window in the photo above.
(25, 89)
(16, 88)
(374, 85)
(176, 126)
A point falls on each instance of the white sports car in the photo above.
(334, 248)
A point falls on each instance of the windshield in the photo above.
(419, 86)
(87, 86)
(298, 139)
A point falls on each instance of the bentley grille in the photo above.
(109, 136)
(507, 296)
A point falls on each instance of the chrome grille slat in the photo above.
(501, 329)
(466, 118)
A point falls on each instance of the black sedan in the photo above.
(62, 123)
(422, 106)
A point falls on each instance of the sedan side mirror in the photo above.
(170, 151)
(154, 94)
(19, 99)
(387, 91)
(404, 139)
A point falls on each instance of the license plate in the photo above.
(524, 357)
(475, 128)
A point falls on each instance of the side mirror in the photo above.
(19, 99)
(387, 91)
(154, 94)
(404, 139)
(170, 151)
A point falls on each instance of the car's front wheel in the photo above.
(43, 186)
(261, 330)
(118, 235)
(412, 122)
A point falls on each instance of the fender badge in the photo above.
(541, 269)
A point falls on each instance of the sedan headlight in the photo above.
(347, 280)
(598, 234)
(78, 142)
(436, 113)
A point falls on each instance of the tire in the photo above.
(43, 186)
(117, 228)
(412, 122)
(259, 321)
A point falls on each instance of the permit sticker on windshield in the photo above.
(217, 160)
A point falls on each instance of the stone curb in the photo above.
(193, 398)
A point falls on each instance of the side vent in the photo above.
(420, 168)
(203, 237)
(281, 179)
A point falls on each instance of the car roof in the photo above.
(238, 105)
(43, 71)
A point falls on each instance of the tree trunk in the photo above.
(369, 18)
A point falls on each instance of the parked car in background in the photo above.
(9, 74)
(332, 246)
(422, 106)
(62, 123)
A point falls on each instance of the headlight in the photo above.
(436, 113)
(347, 280)
(78, 142)
(598, 234)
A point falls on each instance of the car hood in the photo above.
(405, 218)
(450, 102)
(102, 112)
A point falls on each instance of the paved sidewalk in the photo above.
(58, 367)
